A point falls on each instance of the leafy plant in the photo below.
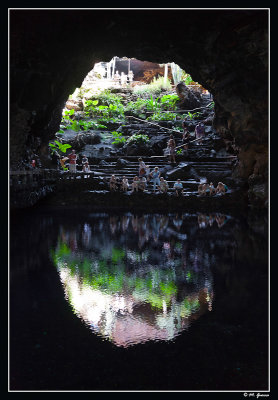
(119, 139)
(186, 78)
(138, 139)
(137, 105)
(152, 104)
(162, 116)
(58, 146)
(179, 151)
(104, 112)
(169, 101)
(211, 106)
(156, 86)
(192, 116)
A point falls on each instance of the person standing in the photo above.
(199, 133)
(72, 161)
(172, 149)
(130, 76)
(142, 167)
(155, 175)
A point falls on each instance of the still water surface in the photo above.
(134, 278)
(129, 280)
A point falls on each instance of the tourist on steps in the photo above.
(172, 149)
(72, 162)
(142, 167)
(155, 175)
(134, 185)
(211, 189)
(163, 186)
(125, 184)
(178, 186)
(86, 168)
(142, 183)
(199, 133)
(84, 161)
(221, 188)
(113, 183)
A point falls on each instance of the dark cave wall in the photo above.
(226, 51)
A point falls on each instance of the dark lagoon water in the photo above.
(127, 301)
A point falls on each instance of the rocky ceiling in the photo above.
(51, 51)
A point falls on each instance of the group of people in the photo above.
(123, 79)
(209, 189)
(140, 181)
(72, 157)
(186, 138)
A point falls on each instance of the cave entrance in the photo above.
(126, 109)
(124, 72)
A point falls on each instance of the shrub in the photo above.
(155, 87)
(169, 101)
(162, 116)
(138, 139)
(119, 139)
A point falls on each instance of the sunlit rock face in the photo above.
(224, 50)
(134, 279)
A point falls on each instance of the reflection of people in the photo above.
(202, 221)
(134, 222)
(86, 235)
(220, 219)
(113, 224)
(177, 221)
(125, 222)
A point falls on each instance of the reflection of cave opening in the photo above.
(130, 294)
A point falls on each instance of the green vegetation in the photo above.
(155, 87)
(138, 139)
(169, 101)
(105, 107)
(162, 116)
(59, 147)
(156, 286)
(186, 78)
(119, 140)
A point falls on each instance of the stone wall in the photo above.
(226, 51)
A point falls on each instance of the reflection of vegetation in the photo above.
(155, 286)
(117, 255)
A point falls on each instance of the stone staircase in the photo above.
(189, 168)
